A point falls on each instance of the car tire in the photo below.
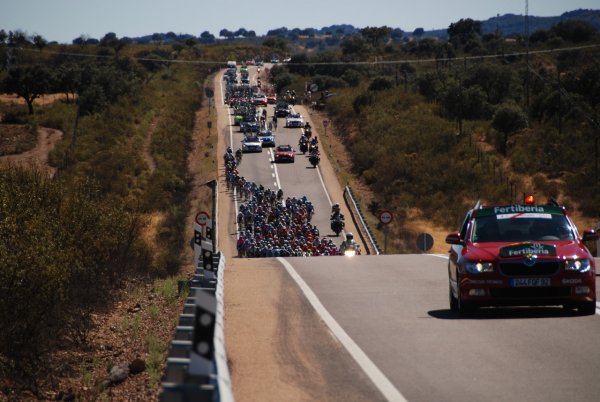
(464, 309)
(453, 300)
(587, 308)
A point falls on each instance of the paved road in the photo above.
(296, 179)
(395, 310)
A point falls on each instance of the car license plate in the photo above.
(529, 282)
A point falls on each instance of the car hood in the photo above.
(543, 249)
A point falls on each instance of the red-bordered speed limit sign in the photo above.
(386, 217)
(202, 218)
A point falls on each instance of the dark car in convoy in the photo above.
(521, 255)
(282, 109)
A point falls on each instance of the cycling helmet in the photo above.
(349, 236)
(229, 150)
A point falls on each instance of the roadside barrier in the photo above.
(197, 367)
(364, 231)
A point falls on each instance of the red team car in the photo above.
(521, 255)
(284, 153)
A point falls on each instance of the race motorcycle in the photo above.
(314, 160)
(337, 225)
(352, 250)
(304, 146)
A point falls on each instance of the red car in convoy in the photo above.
(521, 255)
(284, 153)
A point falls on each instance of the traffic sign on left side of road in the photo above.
(202, 218)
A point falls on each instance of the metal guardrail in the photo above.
(358, 218)
(197, 367)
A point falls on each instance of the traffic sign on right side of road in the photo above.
(386, 217)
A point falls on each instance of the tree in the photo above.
(18, 38)
(278, 43)
(418, 32)
(354, 45)
(241, 32)
(575, 30)
(508, 119)
(459, 33)
(380, 84)
(40, 42)
(226, 33)
(376, 35)
(3, 36)
(207, 37)
(28, 82)
(68, 79)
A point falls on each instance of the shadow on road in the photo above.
(493, 313)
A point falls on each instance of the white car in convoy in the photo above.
(251, 143)
(294, 120)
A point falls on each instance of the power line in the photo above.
(367, 63)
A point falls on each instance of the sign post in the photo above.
(385, 217)
(325, 124)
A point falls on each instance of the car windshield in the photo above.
(284, 148)
(524, 227)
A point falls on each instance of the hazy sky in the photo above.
(65, 20)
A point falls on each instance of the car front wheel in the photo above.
(587, 308)
(453, 300)
(464, 309)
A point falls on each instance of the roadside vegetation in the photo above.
(107, 223)
(434, 126)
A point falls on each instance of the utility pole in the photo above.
(527, 53)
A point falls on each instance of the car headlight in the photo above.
(474, 267)
(578, 265)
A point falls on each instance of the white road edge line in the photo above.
(235, 201)
(446, 257)
(380, 381)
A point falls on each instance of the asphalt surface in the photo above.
(394, 309)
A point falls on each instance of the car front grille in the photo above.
(520, 268)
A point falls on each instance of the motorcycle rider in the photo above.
(229, 155)
(336, 212)
(349, 242)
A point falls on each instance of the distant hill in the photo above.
(510, 24)
(507, 24)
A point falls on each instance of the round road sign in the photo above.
(385, 217)
(424, 242)
(202, 218)
(314, 87)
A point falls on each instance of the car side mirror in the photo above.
(454, 238)
(589, 235)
